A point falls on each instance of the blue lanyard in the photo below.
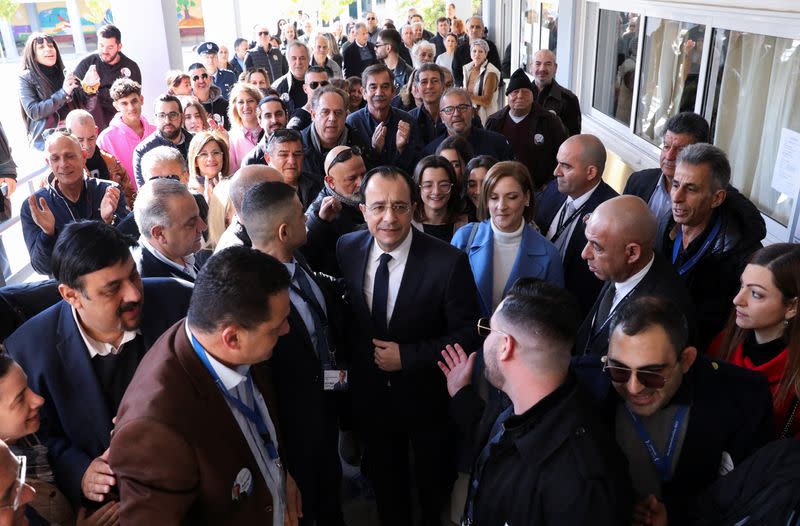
(253, 416)
(662, 463)
(686, 267)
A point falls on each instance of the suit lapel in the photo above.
(90, 402)
(526, 256)
(409, 284)
(481, 260)
(360, 268)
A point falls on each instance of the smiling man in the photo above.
(82, 352)
(682, 421)
(411, 295)
(111, 64)
(169, 132)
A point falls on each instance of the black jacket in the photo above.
(483, 142)
(273, 61)
(402, 72)
(104, 111)
(714, 280)
(314, 160)
(153, 140)
(217, 105)
(461, 57)
(151, 267)
(563, 103)
(320, 247)
(537, 149)
(557, 463)
(352, 64)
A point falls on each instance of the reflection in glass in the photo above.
(753, 93)
(538, 30)
(670, 71)
(617, 44)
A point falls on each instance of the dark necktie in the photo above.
(604, 309)
(380, 295)
(317, 313)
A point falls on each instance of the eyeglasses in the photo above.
(316, 84)
(171, 115)
(19, 484)
(203, 76)
(442, 187)
(379, 209)
(461, 108)
(484, 328)
(622, 375)
(206, 155)
(371, 18)
(344, 155)
(263, 33)
(380, 45)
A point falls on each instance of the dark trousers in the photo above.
(387, 465)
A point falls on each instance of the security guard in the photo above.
(224, 79)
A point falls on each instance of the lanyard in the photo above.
(253, 416)
(686, 267)
(594, 333)
(563, 226)
(662, 463)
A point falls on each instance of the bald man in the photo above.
(619, 250)
(577, 190)
(553, 96)
(244, 179)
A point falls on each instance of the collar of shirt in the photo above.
(188, 269)
(579, 202)
(97, 348)
(399, 254)
(516, 119)
(625, 287)
(230, 378)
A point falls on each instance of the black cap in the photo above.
(207, 48)
(518, 80)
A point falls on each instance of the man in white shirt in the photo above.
(171, 230)
(204, 402)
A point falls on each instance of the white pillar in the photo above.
(222, 22)
(74, 14)
(8, 39)
(463, 8)
(33, 17)
(567, 24)
(149, 37)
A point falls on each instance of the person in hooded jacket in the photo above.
(209, 95)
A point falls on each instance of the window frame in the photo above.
(637, 151)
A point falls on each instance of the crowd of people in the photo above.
(374, 244)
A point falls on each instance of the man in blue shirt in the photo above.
(224, 79)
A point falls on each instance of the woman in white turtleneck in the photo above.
(504, 246)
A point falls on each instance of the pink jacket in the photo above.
(120, 140)
(239, 145)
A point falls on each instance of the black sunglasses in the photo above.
(201, 76)
(262, 33)
(344, 155)
(622, 375)
(316, 84)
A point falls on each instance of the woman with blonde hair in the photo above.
(209, 162)
(245, 131)
(481, 79)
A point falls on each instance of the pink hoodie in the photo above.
(120, 140)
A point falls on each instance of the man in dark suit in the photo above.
(411, 296)
(304, 357)
(620, 240)
(360, 55)
(576, 191)
(442, 29)
(171, 230)
(197, 440)
(81, 353)
(702, 418)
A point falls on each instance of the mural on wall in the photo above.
(53, 19)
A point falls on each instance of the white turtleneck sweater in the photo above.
(504, 253)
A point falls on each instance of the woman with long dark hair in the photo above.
(46, 94)
(763, 333)
(439, 211)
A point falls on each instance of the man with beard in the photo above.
(82, 352)
(169, 132)
(272, 115)
(335, 211)
(209, 95)
(552, 95)
(111, 64)
(545, 445)
(387, 49)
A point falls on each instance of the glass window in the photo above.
(753, 93)
(617, 44)
(670, 71)
(539, 30)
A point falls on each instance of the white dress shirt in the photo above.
(625, 287)
(187, 269)
(300, 303)
(396, 268)
(236, 382)
(578, 203)
(96, 347)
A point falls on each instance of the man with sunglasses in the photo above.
(387, 50)
(681, 420)
(316, 77)
(335, 211)
(265, 56)
(411, 295)
(14, 492)
(457, 113)
(545, 454)
(372, 26)
(209, 95)
(169, 132)
(620, 240)
(224, 79)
